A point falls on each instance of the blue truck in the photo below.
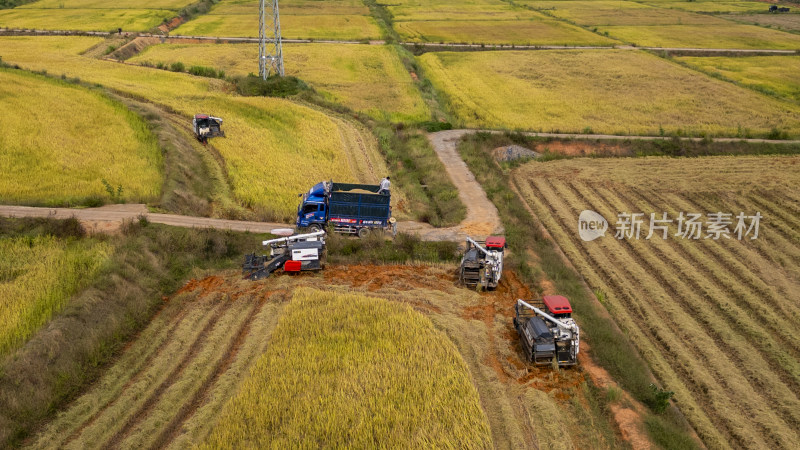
(350, 208)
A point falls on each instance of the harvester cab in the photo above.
(482, 263)
(293, 253)
(548, 333)
(206, 126)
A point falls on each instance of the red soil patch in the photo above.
(207, 284)
(171, 25)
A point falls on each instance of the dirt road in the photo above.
(481, 220)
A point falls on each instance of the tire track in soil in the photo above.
(141, 413)
(724, 348)
(730, 321)
(188, 409)
(639, 317)
(142, 368)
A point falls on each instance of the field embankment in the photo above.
(711, 313)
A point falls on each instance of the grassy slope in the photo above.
(343, 369)
(37, 276)
(57, 155)
(538, 93)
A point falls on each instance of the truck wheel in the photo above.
(313, 228)
(363, 232)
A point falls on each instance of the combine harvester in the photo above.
(295, 253)
(548, 337)
(482, 264)
(206, 126)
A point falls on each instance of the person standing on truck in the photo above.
(384, 186)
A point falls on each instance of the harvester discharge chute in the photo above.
(300, 252)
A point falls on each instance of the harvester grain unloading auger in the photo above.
(551, 336)
(482, 263)
(294, 253)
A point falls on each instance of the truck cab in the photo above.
(312, 212)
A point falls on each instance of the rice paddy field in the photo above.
(301, 19)
(367, 372)
(37, 277)
(713, 317)
(778, 75)
(368, 79)
(596, 13)
(722, 36)
(91, 15)
(786, 22)
(718, 7)
(264, 135)
(52, 152)
(578, 91)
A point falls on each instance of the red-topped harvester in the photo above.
(548, 333)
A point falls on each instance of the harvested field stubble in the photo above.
(712, 317)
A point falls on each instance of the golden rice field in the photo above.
(721, 36)
(789, 22)
(456, 11)
(718, 7)
(84, 19)
(369, 79)
(336, 20)
(592, 13)
(334, 27)
(274, 148)
(715, 319)
(52, 152)
(578, 91)
(106, 4)
(777, 74)
(37, 277)
(350, 370)
(537, 30)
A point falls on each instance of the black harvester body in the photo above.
(206, 126)
(296, 253)
(548, 333)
